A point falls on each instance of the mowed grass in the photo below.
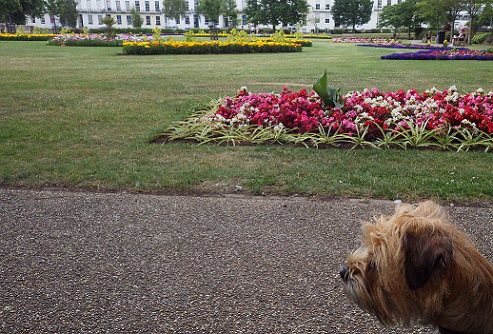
(82, 118)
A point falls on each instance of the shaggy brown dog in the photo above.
(416, 267)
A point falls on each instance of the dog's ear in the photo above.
(426, 251)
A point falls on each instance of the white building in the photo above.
(91, 11)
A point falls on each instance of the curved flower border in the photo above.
(450, 54)
(408, 46)
(433, 119)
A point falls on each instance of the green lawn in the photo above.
(82, 118)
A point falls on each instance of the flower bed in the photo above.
(311, 36)
(449, 54)
(26, 37)
(302, 42)
(407, 46)
(207, 47)
(444, 119)
(366, 40)
(93, 39)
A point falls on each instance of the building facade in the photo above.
(151, 11)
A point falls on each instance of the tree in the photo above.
(405, 14)
(66, 10)
(486, 15)
(231, 12)
(174, 8)
(274, 12)
(253, 12)
(213, 9)
(135, 17)
(68, 13)
(109, 22)
(472, 7)
(352, 12)
(439, 14)
(14, 12)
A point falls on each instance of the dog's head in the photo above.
(398, 271)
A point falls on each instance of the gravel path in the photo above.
(73, 262)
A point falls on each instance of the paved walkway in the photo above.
(74, 262)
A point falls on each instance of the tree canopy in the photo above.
(174, 8)
(135, 18)
(352, 12)
(66, 10)
(15, 11)
(274, 12)
(405, 14)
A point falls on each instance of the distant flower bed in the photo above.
(93, 39)
(302, 42)
(406, 46)
(206, 47)
(311, 36)
(26, 37)
(434, 119)
(367, 40)
(443, 54)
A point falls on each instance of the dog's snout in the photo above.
(343, 271)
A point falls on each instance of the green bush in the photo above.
(480, 38)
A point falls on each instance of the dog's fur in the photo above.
(417, 267)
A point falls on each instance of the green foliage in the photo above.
(480, 38)
(330, 96)
(211, 9)
(15, 11)
(156, 34)
(240, 36)
(190, 36)
(109, 22)
(439, 13)
(274, 12)
(174, 8)
(405, 14)
(352, 12)
(136, 19)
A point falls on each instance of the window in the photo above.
(148, 6)
(137, 6)
(108, 5)
(327, 6)
(33, 19)
(327, 20)
(98, 5)
(127, 6)
(129, 20)
(243, 19)
(156, 6)
(379, 4)
(148, 20)
(177, 21)
(317, 6)
(389, 2)
(43, 21)
(88, 4)
(118, 6)
(89, 19)
(119, 19)
(187, 19)
(100, 17)
(187, 6)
